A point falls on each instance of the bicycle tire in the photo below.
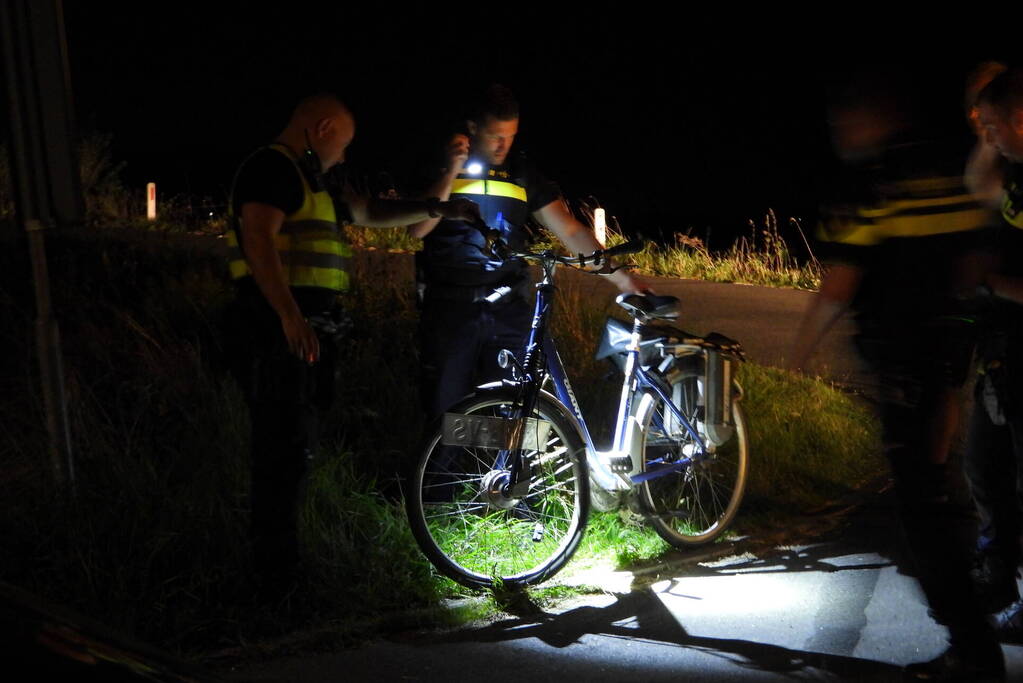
(482, 539)
(696, 505)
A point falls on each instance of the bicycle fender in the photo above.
(508, 384)
(634, 431)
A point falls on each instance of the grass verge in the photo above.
(155, 541)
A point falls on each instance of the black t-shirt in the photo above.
(540, 190)
(268, 177)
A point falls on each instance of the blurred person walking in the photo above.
(902, 238)
(994, 454)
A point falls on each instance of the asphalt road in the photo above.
(765, 320)
(832, 610)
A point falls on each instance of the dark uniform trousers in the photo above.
(285, 397)
(921, 368)
(994, 454)
(460, 340)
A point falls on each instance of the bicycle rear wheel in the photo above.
(468, 523)
(691, 504)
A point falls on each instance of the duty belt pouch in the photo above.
(334, 325)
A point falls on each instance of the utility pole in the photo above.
(47, 189)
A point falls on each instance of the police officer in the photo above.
(473, 304)
(900, 236)
(994, 455)
(289, 262)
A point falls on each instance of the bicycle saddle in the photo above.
(649, 305)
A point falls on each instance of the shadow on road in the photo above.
(640, 615)
(809, 559)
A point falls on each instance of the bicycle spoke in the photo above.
(481, 531)
(695, 504)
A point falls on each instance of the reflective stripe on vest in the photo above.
(1012, 210)
(310, 244)
(494, 188)
(953, 211)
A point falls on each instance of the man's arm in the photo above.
(261, 223)
(373, 212)
(457, 154)
(984, 174)
(839, 286)
(580, 240)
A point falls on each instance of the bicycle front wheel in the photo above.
(692, 503)
(478, 530)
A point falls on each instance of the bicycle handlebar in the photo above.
(500, 248)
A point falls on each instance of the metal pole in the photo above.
(45, 169)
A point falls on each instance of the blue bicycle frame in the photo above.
(634, 374)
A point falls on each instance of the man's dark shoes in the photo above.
(1008, 623)
(995, 583)
(977, 663)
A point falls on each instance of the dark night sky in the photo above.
(670, 124)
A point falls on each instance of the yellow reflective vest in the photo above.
(914, 208)
(312, 248)
(1012, 202)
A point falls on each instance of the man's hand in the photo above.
(302, 339)
(457, 153)
(628, 282)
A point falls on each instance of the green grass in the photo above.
(155, 541)
(760, 258)
(810, 442)
(619, 540)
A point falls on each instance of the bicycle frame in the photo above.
(628, 439)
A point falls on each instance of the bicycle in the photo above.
(502, 492)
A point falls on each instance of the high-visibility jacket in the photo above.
(455, 252)
(311, 246)
(916, 207)
(1012, 201)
